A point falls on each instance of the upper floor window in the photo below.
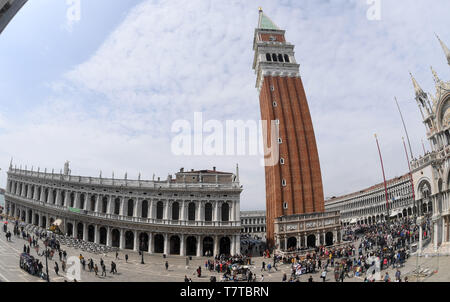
(225, 212)
(268, 57)
(191, 211)
(286, 58)
(280, 57)
(175, 211)
(208, 212)
(159, 210)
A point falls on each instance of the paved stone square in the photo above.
(154, 270)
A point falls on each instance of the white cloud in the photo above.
(169, 59)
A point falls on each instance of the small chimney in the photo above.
(214, 169)
(182, 170)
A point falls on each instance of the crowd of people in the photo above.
(374, 248)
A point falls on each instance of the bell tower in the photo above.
(294, 185)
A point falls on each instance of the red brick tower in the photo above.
(294, 185)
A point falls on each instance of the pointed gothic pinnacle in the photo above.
(435, 75)
(444, 48)
(417, 88)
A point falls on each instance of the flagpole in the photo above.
(411, 177)
(384, 178)
(404, 126)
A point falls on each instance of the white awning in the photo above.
(57, 222)
(395, 213)
(353, 220)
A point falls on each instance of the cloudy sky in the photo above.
(103, 91)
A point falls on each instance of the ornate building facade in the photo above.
(294, 181)
(8, 9)
(431, 173)
(191, 214)
(368, 206)
(253, 223)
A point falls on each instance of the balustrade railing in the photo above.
(109, 216)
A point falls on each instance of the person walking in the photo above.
(103, 269)
(113, 268)
(96, 269)
(167, 265)
(117, 255)
(324, 275)
(56, 268)
(126, 258)
(398, 275)
(263, 266)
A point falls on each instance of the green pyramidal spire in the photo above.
(265, 22)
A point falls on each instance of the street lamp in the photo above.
(46, 261)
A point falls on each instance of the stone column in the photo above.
(152, 206)
(317, 239)
(238, 244)
(233, 245)
(122, 206)
(166, 244)
(136, 246)
(42, 198)
(443, 235)
(96, 234)
(150, 243)
(108, 236)
(51, 198)
(85, 231)
(66, 201)
(58, 198)
(182, 245)
(98, 203)
(183, 211)
(215, 211)
(77, 200)
(122, 239)
(166, 210)
(216, 245)
(199, 246)
(435, 235)
(110, 208)
(137, 208)
(199, 210)
(34, 194)
(233, 211)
